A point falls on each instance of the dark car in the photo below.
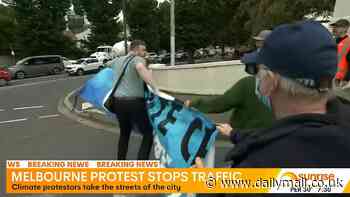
(37, 65)
(165, 58)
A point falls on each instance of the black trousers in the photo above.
(132, 112)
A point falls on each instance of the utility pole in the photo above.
(172, 33)
(124, 27)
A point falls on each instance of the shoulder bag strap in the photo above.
(127, 60)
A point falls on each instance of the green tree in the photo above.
(270, 13)
(223, 25)
(200, 23)
(103, 16)
(192, 27)
(7, 29)
(76, 23)
(143, 21)
(78, 7)
(40, 27)
(163, 13)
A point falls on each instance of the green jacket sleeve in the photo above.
(232, 98)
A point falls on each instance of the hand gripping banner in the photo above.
(181, 133)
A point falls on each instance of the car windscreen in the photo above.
(21, 61)
(79, 61)
(102, 50)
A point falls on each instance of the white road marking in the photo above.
(49, 116)
(41, 82)
(11, 121)
(2, 110)
(31, 107)
(38, 78)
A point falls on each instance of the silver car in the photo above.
(37, 65)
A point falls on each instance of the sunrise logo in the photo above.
(308, 176)
(290, 175)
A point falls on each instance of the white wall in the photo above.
(342, 9)
(7, 60)
(203, 79)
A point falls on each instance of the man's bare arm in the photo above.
(146, 75)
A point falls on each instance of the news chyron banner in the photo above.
(146, 177)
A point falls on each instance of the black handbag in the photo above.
(109, 102)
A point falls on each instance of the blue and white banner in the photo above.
(181, 133)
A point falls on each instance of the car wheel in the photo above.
(56, 71)
(3, 82)
(80, 72)
(20, 75)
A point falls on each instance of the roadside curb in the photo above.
(92, 114)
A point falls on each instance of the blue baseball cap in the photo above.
(249, 59)
(304, 51)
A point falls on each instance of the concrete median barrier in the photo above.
(212, 78)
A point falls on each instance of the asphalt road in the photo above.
(31, 127)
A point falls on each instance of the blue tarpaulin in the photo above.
(97, 89)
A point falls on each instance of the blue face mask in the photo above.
(264, 99)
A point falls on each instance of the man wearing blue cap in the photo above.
(294, 82)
